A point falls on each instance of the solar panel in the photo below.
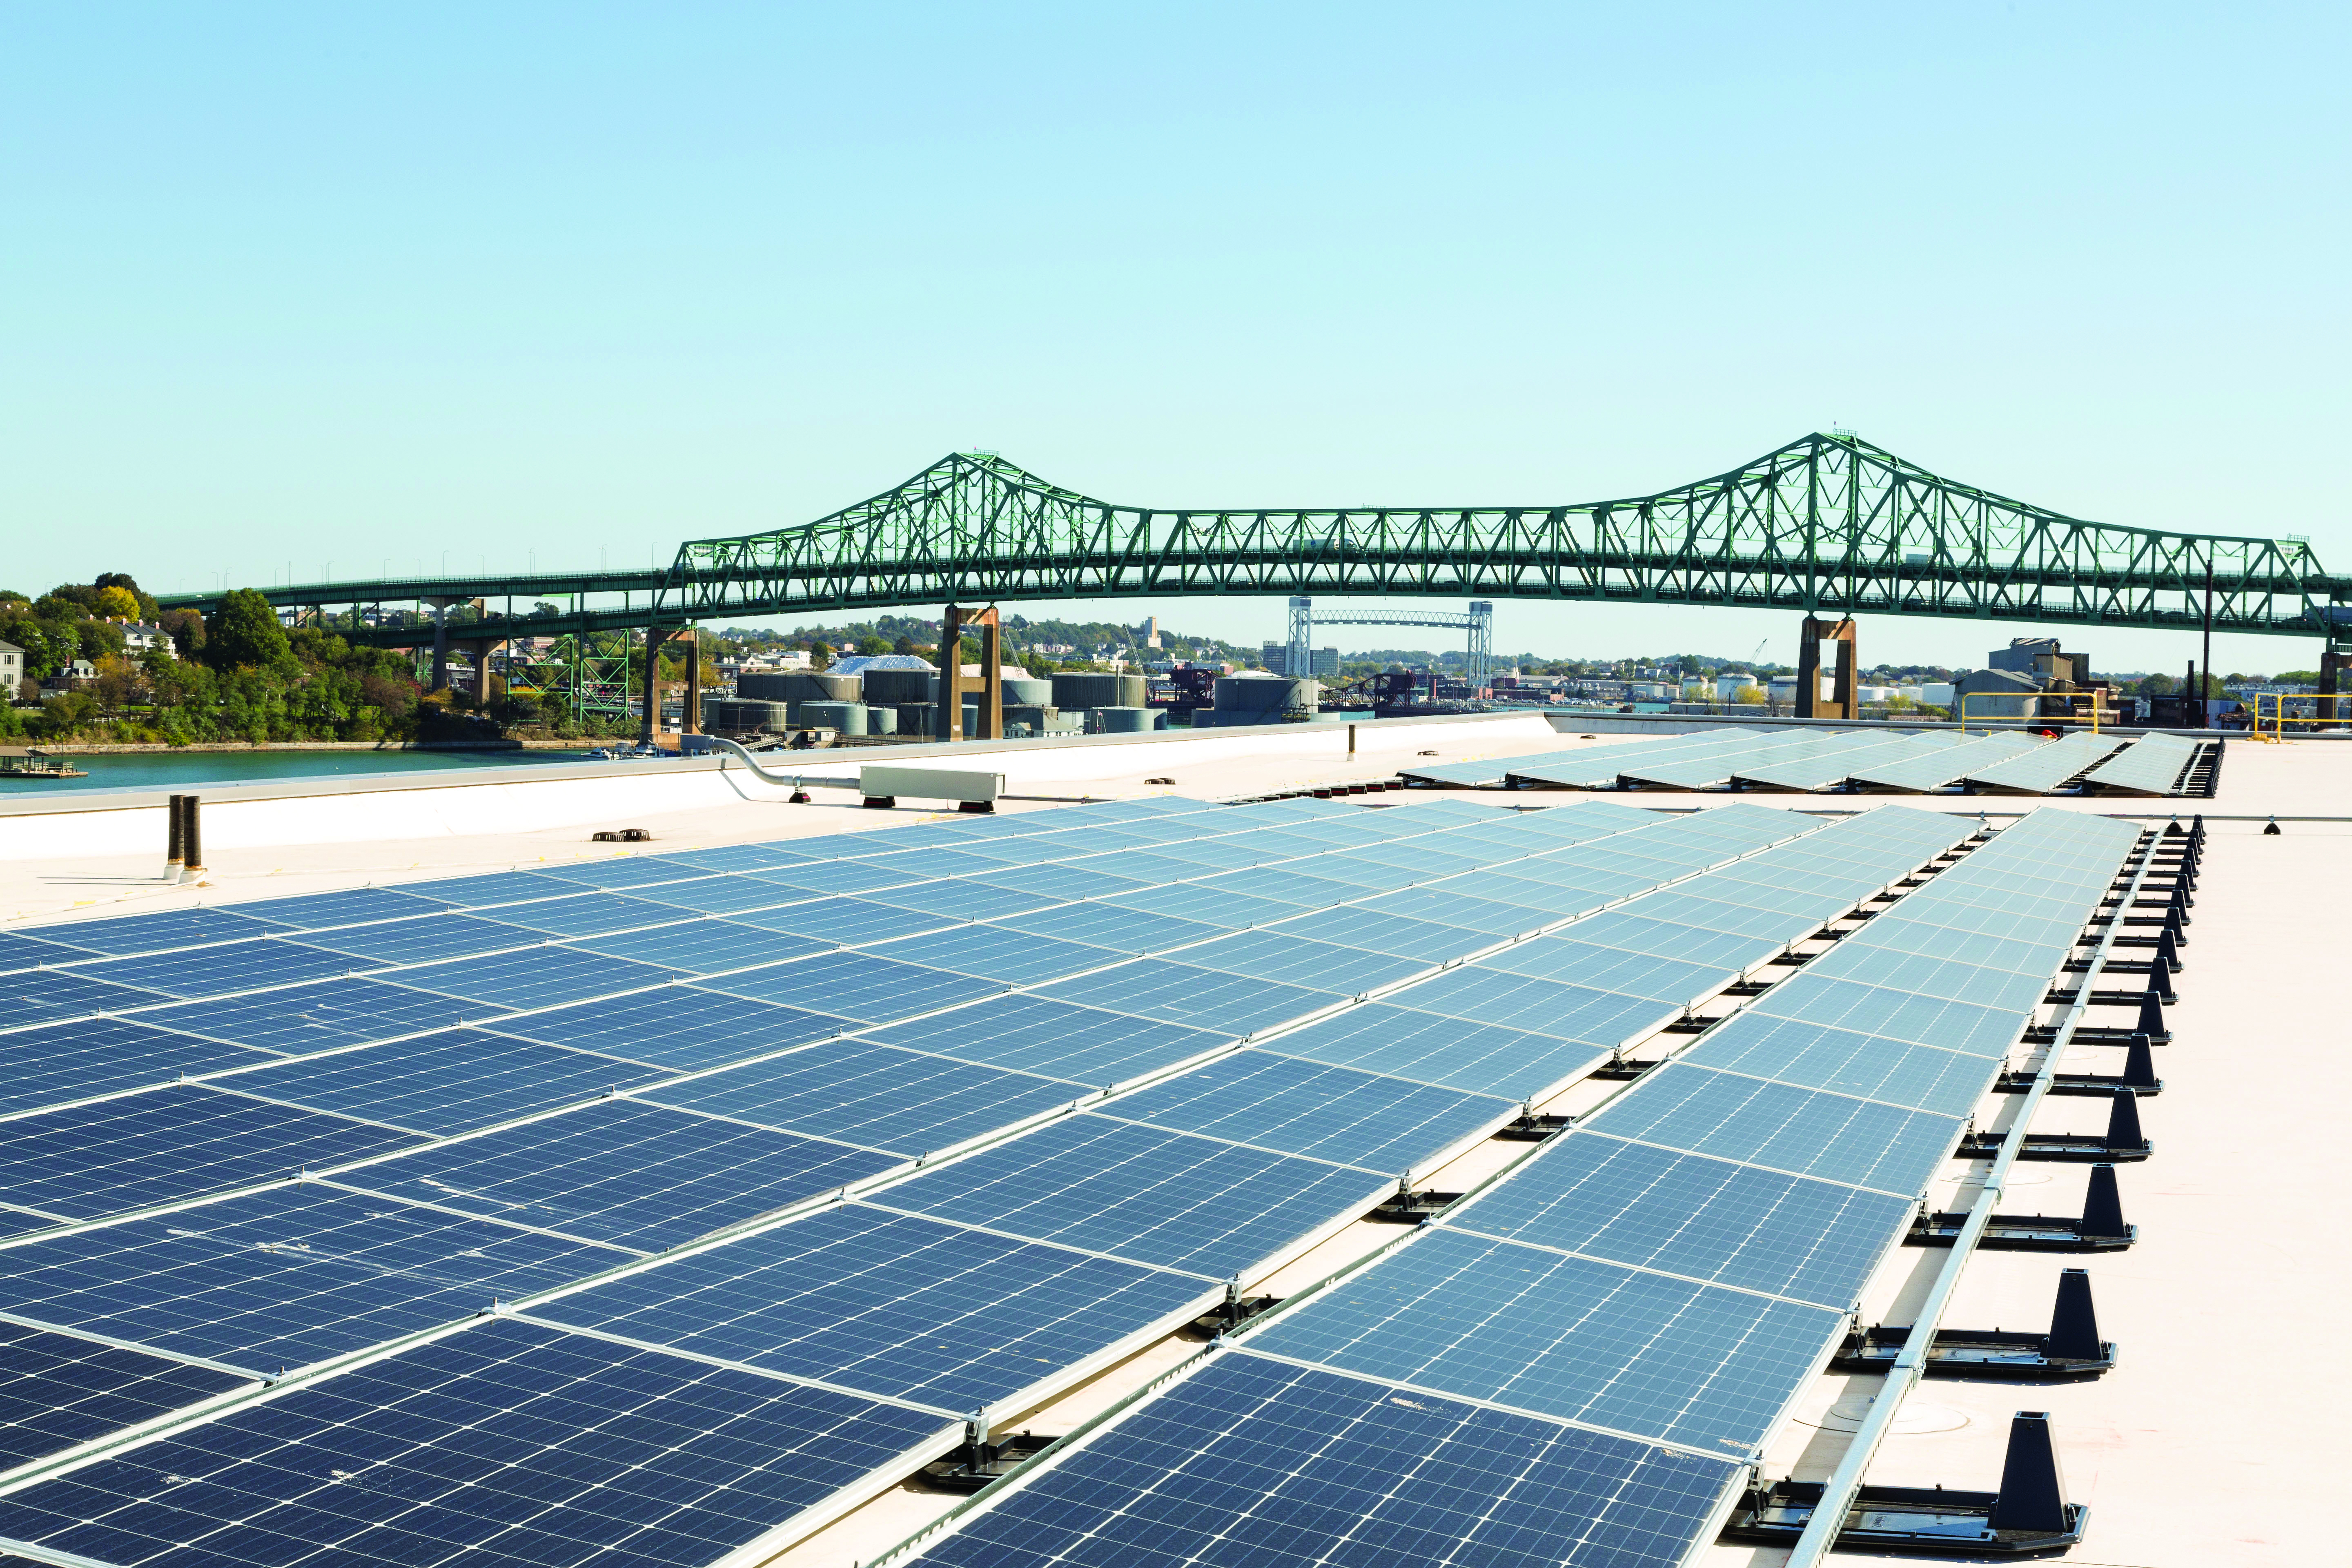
(625, 872)
(1945, 765)
(317, 1016)
(491, 889)
(1063, 882)
(86, 1057)
(1921, 1077)
(642, 1175)
(128, 936)
(1803, 1131)
(1167, 1198)
(509, 1443)
(997, 953)
(905, 1307)
(1428, 1047)
(969, 900)
(1639, 975)
(1187, 994)
(1372, 931)
(877, 1097)
(57, 1392)
(163, 1145)
(704, 946)
(1228, 911)
(1059, 1039)
(855, 985)
(1120, 927)
(721, 895)
(286, 1277)
(2153, 764)
(544, 976)
(1485, 995)
(1298, 1107)
(346, 907)
(39, 995)
(454, 1081)
(1562, 1336)
(1276, 955)
(833, 877)
(1925, 1020)
(1681, 1214)
(586, 914)
(1252, 1461)
(19, 952)
(417, 941)
(675, 1026)
(2045, 768)
(848, 922)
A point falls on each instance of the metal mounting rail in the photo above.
(1829, 1516)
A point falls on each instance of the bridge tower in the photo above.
(1847, 703)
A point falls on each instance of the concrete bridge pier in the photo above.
(1846, 682)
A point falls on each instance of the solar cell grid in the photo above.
(511, 1441)
(642, 1175)
(42, 995)
(708, 946)
(1428, 1047)
(1868, 964)
(1925, 1020)
(1119, 926)
(1058, 1039)
(831, 877)
(997, 953)
(587, 914)
(454, 1081)
(1641, 934)
(675, 1026)
(972, 900)
(1280, 1466)
(1063, 882)
(1187, 994)
(1371, 932)
(1681, 1214)
(128, 936)
(349, 907)
(1446, 908)
(1842, 1060)
(855, 985)
(1586, 1340)
(1487, 996)
(85, 1058)
(875, 1097)
(895, 1305)
(317, 1016)
(624, 871)
(221, 970)
(1805, 1132)
(492, 889)
(1298, 1107)
(19, 952)
(1167, 1198)
(1612, 969)
(417, 940)
(1209, 906)
(1276, 955)
(285, 1277)
(57, 1391)
(722, 895)
(543, 976)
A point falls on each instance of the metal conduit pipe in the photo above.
(789, 781)
(1829, 1516)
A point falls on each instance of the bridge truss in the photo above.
(1479, 623)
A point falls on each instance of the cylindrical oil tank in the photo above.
(797, 687)
(1085, 689)
(734, 716)
(882, 721)
(1033, 714)
(1026, 691)
(842, 718)
(892, 687)
(1124, 720)
(1270, 694)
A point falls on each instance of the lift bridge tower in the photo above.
(1479, 623)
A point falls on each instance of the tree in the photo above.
(1751, 694)
(874, 647)
(117, 604)
(243, 634)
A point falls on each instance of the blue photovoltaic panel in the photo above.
(319, 1015)
(1816, 1056)
(855, 985)
(1939, 975)
(1277, 954)
(833, 877)
(1639, 933)
(675, 1026)
(288, 1276)
(164, 1144)
(924, 864)
(998, 953)
(1654, 978)
(1058, 1039)
(84, 1057)
(1684, 1213)
(18, 952)
(642, 1175)
(705, 946)
(454, 1081)
(845, 922)
(57, 1390)
(900, 1306)
(1483, 1058)
(722, 895)
(544, 976)
(221, 970)
(1299, 1107)
(1063, 883)
(1116, 926)
(418, 941)
(1157, 1197)
(740, 856)
(125, 936)
(587, 914)
(1573, 1337)
(1897, 1014)
(1290, 882)
(874, 1096)
(1487, 916)
(348, 907)
(1228, 911)
(965, 899)
(1185, 994)
(625, 872)
(1374, 932)
(495, 888)
(1487, 995)
(509, 1442)
(38, 995)
(1802, 1130)
(1254, 1462)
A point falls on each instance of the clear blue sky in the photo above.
(560, 283)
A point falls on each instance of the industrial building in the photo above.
(1304, 1144)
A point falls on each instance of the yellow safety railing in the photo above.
(2279, 718)
(2099, 713)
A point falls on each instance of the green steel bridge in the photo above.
(1827, 524)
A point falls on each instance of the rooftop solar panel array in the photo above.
(491, 1112)
(2046, 767)
(1654, 1287)
(2153, 764)
(1940, 767)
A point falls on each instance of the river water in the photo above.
(185, 770)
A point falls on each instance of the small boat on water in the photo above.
(32, 763)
